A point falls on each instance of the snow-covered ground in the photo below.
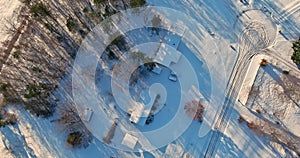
(276, 96)
(8, 15)
(213, 61)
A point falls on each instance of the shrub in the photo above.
(85, 10)
(27, 2)
(264, 62)
(34, 90)
(99, 1)
(111, 55)
(16, 54)
(149, 64)
(36, 69)
(137, 3)
(49, 27)
(4, 86)
(75, 139)
(8, 119)
(39, 9)
(241, 119)
(3, 123)
(296, 54)
(43, 109)
(71, 24)
(120, 42)
(258, 111)
(285, 72)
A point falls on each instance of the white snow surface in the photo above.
(8, 13)
(38, 137)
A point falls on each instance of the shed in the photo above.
(129, 141)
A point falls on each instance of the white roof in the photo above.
(167, 55)
(137, 111)
(129, 141)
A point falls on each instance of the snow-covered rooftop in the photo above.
(129, 141)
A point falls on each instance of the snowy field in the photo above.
(274, 96)
(8, 15)
(213, 52)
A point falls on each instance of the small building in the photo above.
(167, 55)
(136, 112)
(129, 141)
(174, 149)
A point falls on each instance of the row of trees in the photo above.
(48, 41)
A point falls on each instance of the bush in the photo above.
(149, 64)
(296, 54)
(4, 87)
(36, 69)
(137, 3)
(34, 90)
(40, 109)
(264, 62)
(258, 111)
(71, 24)
(39, 9)
(3, 123)
(49, 27)
(241, 119)
(16, 54)
(75, 139)
(111, 55)
(8, 119)
(286, 72)
(99, 1)
(27, 2)
(85, 10)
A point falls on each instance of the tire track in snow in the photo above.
(249, 48)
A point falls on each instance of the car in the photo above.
(87, 114)
(156, 69)
(173, 77)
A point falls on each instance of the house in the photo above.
(140, 112)
(167, 55)
(136, 112)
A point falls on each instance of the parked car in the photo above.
(156, 69)
(173, 77)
